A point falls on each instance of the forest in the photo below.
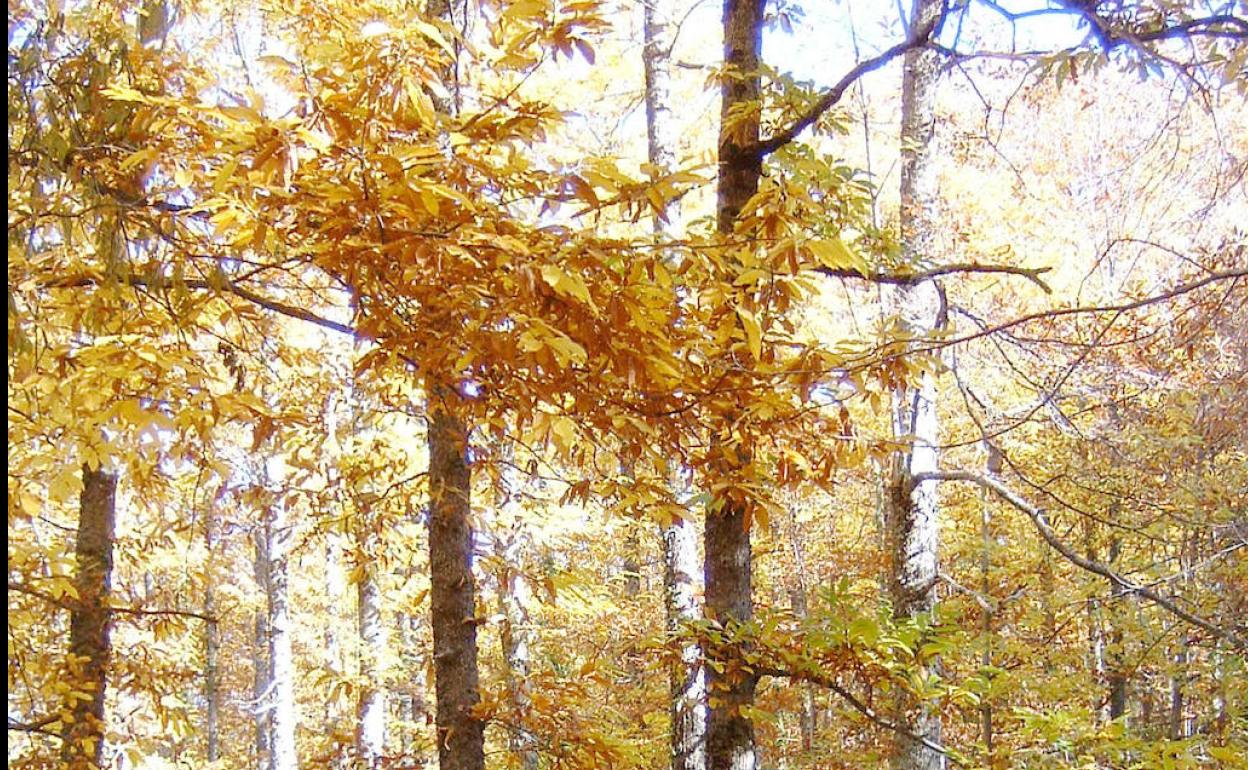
(627, 385)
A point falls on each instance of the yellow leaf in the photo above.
(753, 332)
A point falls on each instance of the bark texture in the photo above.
(514, 635)
(82, 738)
(730, 731)
(370, 739)
(687, 680)
(453, 590)
(262, 681)
(910, 509)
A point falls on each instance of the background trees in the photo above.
(292, 289)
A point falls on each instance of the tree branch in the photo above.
(225, 285)
(37, 726)
(862, 708)
(918, 38)
(1040, 519)
(910, 278)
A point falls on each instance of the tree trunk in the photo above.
(514, 635)
(82, 738)
(798, 581)
(688, 681)
(1115, 664)
(212, 642)
(730, 730)
(262, 667)
(336, 597)
(453, 589)
(371, 732)
(283, 716)
(680, 549)
(911, 514)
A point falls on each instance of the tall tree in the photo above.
(726, 540)
(910, 512)
(461, 733)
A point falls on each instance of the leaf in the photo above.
(753, 332)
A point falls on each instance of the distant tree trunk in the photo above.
(798, 591)
(728, 561)
(82, 737)
(680, 549)
(262, 664)
(1115, 663)
(453, 588)
(283, 716)
(336, 597)
(412, 705)
(212, 641)
(371, 717)
(910, 511)
(688, 681)
(985, 622)
(515, 637)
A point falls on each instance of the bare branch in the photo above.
(910, 278)
(1040, 519)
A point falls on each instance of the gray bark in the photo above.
(371, 716)
(687, 678)
(910, 509)
(283, 716)
(90, 622)
(261, 658)
(515, 636)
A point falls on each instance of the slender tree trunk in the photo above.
(336, 597)
(82, 738)
(212, 642)
(371, 717)
(515, 637)
(911, 513)
(730, 730)
(798, 591)
(985, 629)
(453, 589)
(687, 683)
(283, 717)
(1115, 663)
(262, 666)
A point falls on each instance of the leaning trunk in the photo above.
(911, 515)
(82, 738)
